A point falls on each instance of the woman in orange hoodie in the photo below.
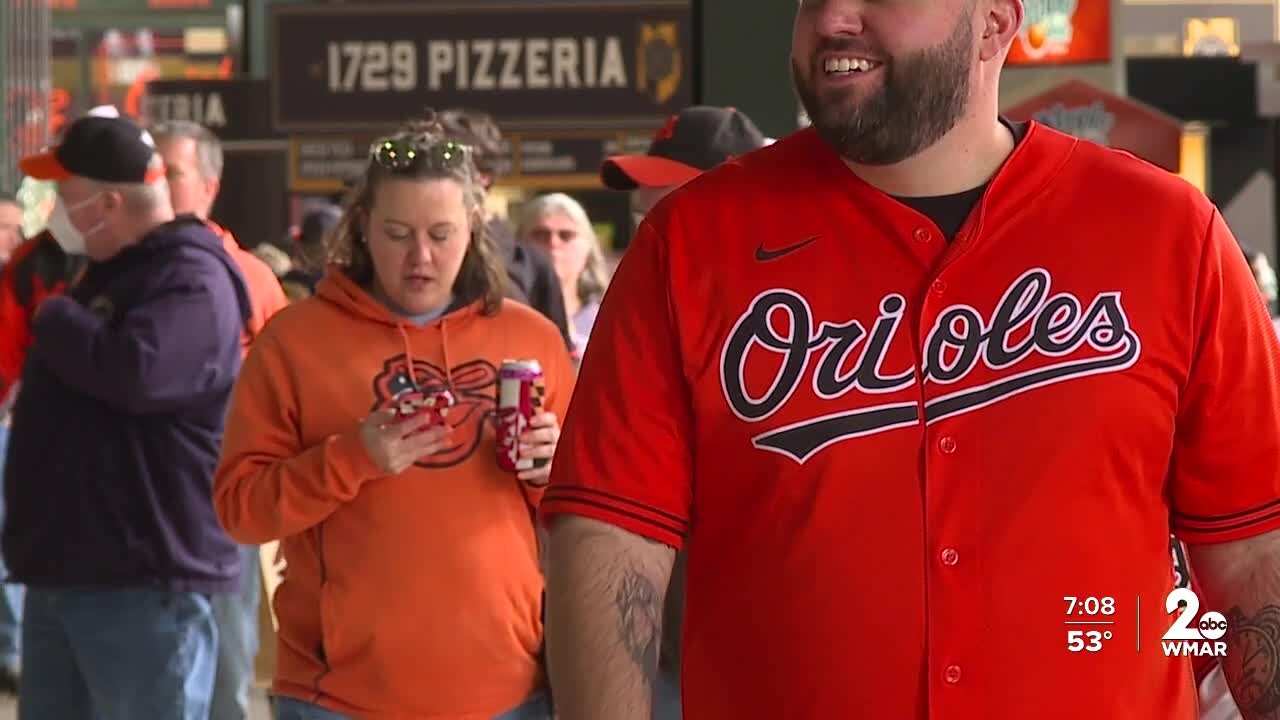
(413, 589)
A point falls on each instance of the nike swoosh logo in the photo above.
(763, 255)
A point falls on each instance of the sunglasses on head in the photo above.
(403, 154)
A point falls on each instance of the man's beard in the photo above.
(921, 98)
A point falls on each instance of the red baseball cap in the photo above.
(690, 143)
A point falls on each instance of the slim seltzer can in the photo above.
(520, 394)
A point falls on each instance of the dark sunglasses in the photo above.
(404, 154)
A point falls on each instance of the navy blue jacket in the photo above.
(118, 423)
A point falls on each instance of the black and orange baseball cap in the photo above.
(697, 139)
(106, 149)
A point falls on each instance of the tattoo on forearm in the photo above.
(639, 621)
(1252, 663)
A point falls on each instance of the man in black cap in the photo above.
(690, 143)
(115, 436)
(697, 139)
(529, 269)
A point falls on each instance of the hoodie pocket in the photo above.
(332, 641)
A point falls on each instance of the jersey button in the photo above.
(939, 287)
(947, 445)
(952, 674)
(950, 557)
(922, 235)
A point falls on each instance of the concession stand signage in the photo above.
(232, 109)
(1060, 32)
(532, 65)
(567, 160)
(1085, 111)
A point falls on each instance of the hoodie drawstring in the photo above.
(408, 355)
(444, 344)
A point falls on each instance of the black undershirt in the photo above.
(949, 212)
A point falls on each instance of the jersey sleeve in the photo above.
(1225, 471)
(625, 452)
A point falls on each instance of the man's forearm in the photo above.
(1244, 578)
(605, 590)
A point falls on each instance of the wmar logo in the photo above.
(474, 387)
(1031, 338)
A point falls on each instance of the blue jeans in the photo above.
(126, 654)
(237, 618)
(10, 595)
(284, 708)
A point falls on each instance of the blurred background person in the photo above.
(1265, 276)
(275, 258)
(558, 225)
(310, 249)
(193, 161)
(11, 214)
(11, 237)
(413, 586)
(533, 279)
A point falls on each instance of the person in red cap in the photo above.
(115, 435)
(691, 142)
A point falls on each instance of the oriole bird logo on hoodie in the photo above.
(474, 387)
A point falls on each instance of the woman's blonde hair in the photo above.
(595, 275)
(421, 150)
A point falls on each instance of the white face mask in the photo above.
(67, 235)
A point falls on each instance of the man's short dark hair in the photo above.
(480, 131)
(208, 146)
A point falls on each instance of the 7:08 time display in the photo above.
(1090, 606)
(1096, 611)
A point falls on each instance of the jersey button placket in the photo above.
(927, 245)
(954, 601)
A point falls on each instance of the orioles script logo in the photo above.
(474, 387)
(1031, 339)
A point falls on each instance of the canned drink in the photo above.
(520, 395)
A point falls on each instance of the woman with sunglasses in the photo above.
(412, 587)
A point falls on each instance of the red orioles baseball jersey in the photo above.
(894, 456)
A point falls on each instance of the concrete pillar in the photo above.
(744, 60)
(24, 84)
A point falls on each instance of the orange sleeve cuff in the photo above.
(350, 464)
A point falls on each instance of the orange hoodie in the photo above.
(407, 597)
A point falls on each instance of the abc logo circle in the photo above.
(1212, 625)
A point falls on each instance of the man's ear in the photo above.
(1001, 20)
(213, 186)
